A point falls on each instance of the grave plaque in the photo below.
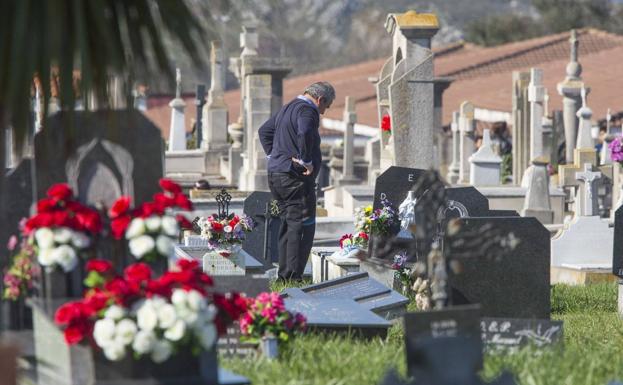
(338, 315)
(216, 264)
(195, 248)
(101, 155)
(460, 322)
(359, 287)
(515, 285)
(517, 332)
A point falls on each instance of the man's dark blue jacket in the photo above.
(292, 133)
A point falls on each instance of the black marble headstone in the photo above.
(101, 154)
(515, 285)
(359, 287)
(617, 249)
(255, 207)
(517, 332)
(338, 315)
(456, 322)
(394, 183)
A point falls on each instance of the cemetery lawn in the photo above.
(592, 353)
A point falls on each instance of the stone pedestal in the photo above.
(537, 203)
(485, 164)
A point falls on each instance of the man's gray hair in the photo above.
(321, 89)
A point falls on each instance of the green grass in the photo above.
(592, 353)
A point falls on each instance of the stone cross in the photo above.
(536, 97)
(466, 128)
(570, 90)
(215, 130)
(589, 177)
(177, 130)
(454, 168)
(485, 164)
(585, 140)
(348, 162)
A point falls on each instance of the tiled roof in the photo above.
(482, 75)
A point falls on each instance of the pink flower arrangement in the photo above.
(616, 149)
(267, 316)
(20, 275)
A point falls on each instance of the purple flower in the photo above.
(616, 149)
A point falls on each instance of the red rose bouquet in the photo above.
(143, 316)
(150, 229)
(62, 228)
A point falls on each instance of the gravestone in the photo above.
(101, 155)
(338, 315)
(359, 287)
(617, 249)
(17, 197)
(458, 322)
(515, 285)
(196, 249)
(255, 207)
(517, 332)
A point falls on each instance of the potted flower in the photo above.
(225, 234)
(151, 229)
(268, 323)
(141, 326)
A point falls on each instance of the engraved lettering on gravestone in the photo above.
(100, 172)
(383, 196)
(411, 177)
(444, 328)
(503, 334)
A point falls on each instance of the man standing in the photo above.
(292, 144)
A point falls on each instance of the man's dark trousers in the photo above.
(295, 196)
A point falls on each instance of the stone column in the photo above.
(485, 164)
(455, 166)
(537, 202)
(215, 129)
(536, 93)
(348, 163)
(570, 89)
(177, 130)
(521, 128)
(584, 114)
(604, 155)
(466, 128)
(411, 91)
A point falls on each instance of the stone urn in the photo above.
(236, 132)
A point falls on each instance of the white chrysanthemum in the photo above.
(115, 351)
(104, 332)
(196, 301)
(65, 256)
(152, 224)
(141, 245)
(189, 316)
(157, 302)
(207, 335)
(126, 331)
(176, 332)
(169, 226)
(62, 235)
(179, 297)
(161, 351)
(46, 257)
(44, 237)
(80, 240)
(144, 342)
(146, 317)
(164, 244)
(135, 229)
(228, 229)
(114, 312)
(167, 316)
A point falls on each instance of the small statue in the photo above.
(406, 214)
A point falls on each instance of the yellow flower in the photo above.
(368, 220)
(368, 209)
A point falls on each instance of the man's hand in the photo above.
(309, 168)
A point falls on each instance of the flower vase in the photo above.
(228, 250)
(269, 346)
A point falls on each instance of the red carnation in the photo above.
(363, 235)
(138, 272)
(76, 333)
(164, 200)
(71, 312)
(148, 209)
(89, 220)
(61, 219)
(119, 225)
(386, 123)
(96, 300)
(119, 208)
(99, 265)
(60, 192)
(217, 227)
(170, 186)
(183, 202)
(184, 223)
(188, 264)
(45, 205)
